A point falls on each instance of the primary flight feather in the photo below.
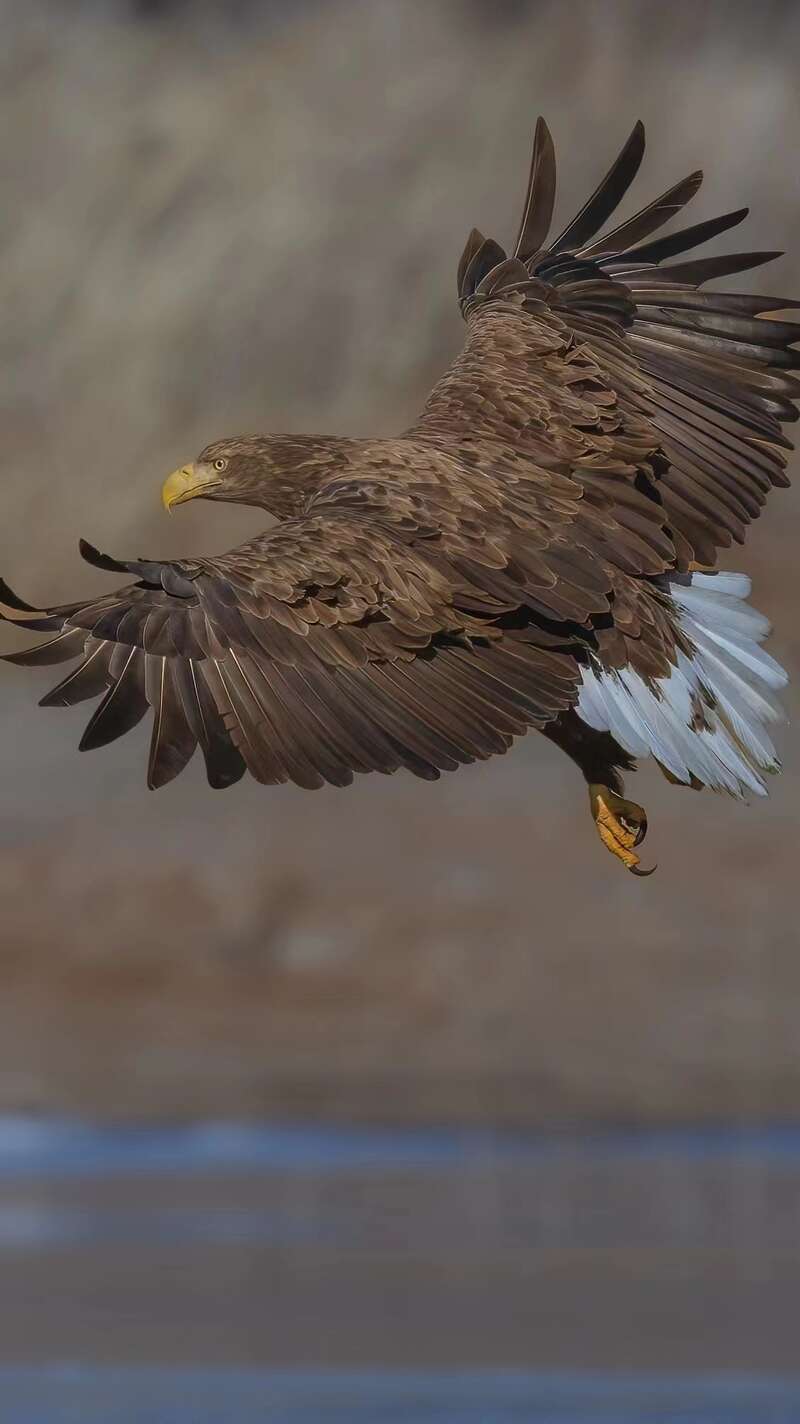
(537, 550)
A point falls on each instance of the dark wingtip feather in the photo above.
(173, 742)
(123, 706)
(90, 679)
(66, 644)
(687, 238)
(9, 597)
(488, 256)
(607, 195)
(537, 212)
(647, 220)
(699, 270)
(15, 610)
(473, 244)
(98, 560)
(221, 774)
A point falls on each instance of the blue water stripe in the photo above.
(55, 1147)
(63, 1394)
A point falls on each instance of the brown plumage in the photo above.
(526, 555)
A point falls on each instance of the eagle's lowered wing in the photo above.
(324, 647)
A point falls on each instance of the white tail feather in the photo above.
(706, 719)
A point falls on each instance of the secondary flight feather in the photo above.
(539, 550)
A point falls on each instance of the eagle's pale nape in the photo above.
(538, 550)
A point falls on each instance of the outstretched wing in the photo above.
(325, 647)
(678, 392)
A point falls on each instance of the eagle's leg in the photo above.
(621, 824)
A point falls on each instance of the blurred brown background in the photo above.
(235, 217)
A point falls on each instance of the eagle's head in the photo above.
(273, 472)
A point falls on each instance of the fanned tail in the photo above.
(706, 721)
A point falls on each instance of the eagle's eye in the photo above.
(220, 464)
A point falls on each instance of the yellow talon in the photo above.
(621, 825)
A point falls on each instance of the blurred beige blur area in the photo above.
(241, 217)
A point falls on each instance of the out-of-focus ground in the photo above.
(230, 1247)
(225, 218)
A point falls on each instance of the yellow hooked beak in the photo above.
(185, 483)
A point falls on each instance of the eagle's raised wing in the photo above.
(679, 391)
